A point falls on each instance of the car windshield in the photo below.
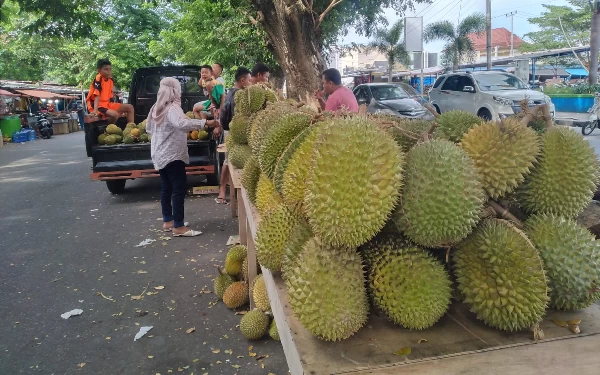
(493, 82)
(410, 90)
(391, 92)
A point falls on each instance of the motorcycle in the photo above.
(592, 123)
(44, 125)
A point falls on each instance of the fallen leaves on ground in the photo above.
(160, 287)
(216, 351)
(81, 365)
(190, 330)
(422, 340)
(403, 351)
(561, 323)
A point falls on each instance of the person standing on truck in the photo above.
(214, 89)
(242, 80)
(100, 94)
(168, 126)
(260, 74)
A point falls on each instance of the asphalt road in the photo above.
(67, 243)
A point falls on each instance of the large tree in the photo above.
(594, 47)
(391, 44)
(459, 47)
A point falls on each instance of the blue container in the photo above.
(31, 135)
(572, 103)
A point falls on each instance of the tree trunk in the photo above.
(390, 71)
(594, 48)
(276, 79)
(291, 31)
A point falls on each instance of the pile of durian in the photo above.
(360, 210)
(133, 133)
(232, 288)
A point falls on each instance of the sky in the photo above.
(441, 10)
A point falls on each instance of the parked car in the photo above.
(488, 94)
(392, 99)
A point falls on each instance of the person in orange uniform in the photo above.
(100, 95)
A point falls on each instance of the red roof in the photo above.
(500, 37)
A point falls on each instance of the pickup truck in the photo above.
(115, 164)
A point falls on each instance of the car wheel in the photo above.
(437, 109)
(588, 128)
(485, 114)
(116, 186)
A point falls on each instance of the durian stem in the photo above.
(505, 214)
(408, 133)
(432, 110)
(448, 254)
(430, 131)
(219, 270)
(547, 117)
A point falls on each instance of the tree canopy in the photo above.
(391, 44)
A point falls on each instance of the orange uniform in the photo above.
(101, 87)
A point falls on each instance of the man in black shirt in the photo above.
(242, 80)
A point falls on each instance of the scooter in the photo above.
(44, 125)
(592, 123)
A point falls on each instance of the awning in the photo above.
(38, 94)
(577, 72)
(7, 93)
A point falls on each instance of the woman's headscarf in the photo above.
(169, 94)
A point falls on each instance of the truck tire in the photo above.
(116, 186)
(212, 180)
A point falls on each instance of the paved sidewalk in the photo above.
(572, 118)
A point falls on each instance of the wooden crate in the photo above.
(457, 344)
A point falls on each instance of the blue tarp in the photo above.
(579, 72)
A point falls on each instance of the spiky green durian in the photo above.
(128, 139)
(564, 180)
(234, 259)
(284, 159)
(114, 129)
(382, 243)
(110, 140)
(453, 125)
(331, 305)
(501, 276)
(410, 286)
(272, 234)
(296, 172)
(299, 236)
(273, 331)
(262, 122)
(238, 154)
(278, 138)
(236, 295)
(443, 198)
(256, 98)
(571, 256)
(102, 139)
(250, 176)
(503, 154)
(260, 295)
(242, 104)
(406, 132)
(238, 129)
(254, 324)
(350, 207)
(221, 283)
(266, 196)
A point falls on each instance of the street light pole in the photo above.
(512, 26)
(488, 31)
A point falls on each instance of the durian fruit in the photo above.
(144, 138)
(299, 236)
(259, 294)
(249, 178)
(142, 127)
(242, 105)
(236, 295)
(263, 121)
(273, 332)
(202, 135)
(127, 132)
(350, 207)
(442, 197)
(332, 305)
(110, 140)
(221, 283)
(272, 234)
(564, 180)
(278, 138)
(452, 125)
(256, 98)
(296, 172)
(130, 125)
(571, 256)
(266, 196)
(254, 324)
(285, 157)
(271, 96)
(503, 154)
(194, 135)
(118, 138)
(238, 154)
(114, 129)
(102, 139)
(237, 129)
(410, 286)
(383, 242)
(406, 132)
(128, 139)
(190, 114)
(135, 133)
(234, 259)
(501, 276)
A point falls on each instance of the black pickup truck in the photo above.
(116, 164)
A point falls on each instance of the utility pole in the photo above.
(512, 25)
(488, 31)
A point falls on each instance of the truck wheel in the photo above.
(211, 180)
(116, 186)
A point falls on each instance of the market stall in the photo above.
(60, 118)
(9, 121)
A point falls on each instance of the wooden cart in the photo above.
(457, 344)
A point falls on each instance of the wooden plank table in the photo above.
(235, 184)
(457, 344)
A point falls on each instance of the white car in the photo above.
(488, 94)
